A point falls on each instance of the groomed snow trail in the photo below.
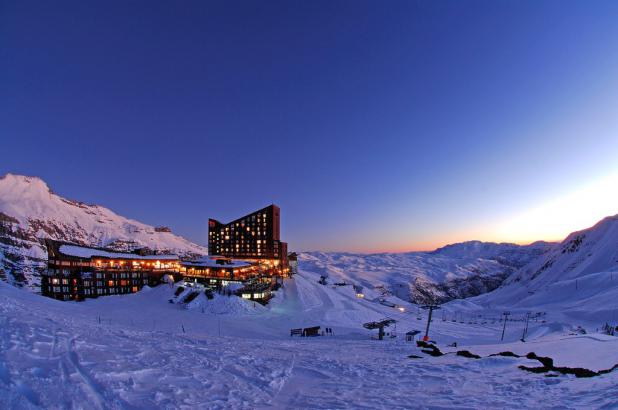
(58, 355)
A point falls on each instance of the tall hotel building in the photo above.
(254, 237)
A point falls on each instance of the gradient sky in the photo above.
(374, 125)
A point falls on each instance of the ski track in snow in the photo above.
(56, 355)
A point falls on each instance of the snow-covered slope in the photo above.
(139, 351)
(30, 211)
(583, 252)
(455, 271)
(579, 273)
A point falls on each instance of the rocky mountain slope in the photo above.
(584, 265)
(30, 211)
(452, 272)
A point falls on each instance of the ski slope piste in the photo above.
(140, 351)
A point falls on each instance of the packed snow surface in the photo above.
(141, 351)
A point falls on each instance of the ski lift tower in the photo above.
(506, 316)
(523, 336)
(380, 326)
(431, 308)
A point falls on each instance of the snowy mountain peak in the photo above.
(22, 181)
(590, 250)
(574, 273)
(14, 188)
(507, 253)
(31, 211)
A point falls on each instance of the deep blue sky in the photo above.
(374, 125)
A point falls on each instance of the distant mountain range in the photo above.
(580, 271)
(30, 212)
(455, 271)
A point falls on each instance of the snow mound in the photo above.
(225, 305)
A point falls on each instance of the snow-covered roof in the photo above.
(83, 252)
(212, 263)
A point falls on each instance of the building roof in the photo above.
(212, 263)
(265, 209)
(84, 252)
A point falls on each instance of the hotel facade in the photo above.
(76, 272)
(247, 251)
(255, 238)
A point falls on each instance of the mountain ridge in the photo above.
(577, 272)
(30, 212)
(423, 277)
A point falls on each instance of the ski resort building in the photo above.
(254, 238)
(218, 272)
(77, 272)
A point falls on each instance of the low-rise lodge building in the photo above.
(76, 272)
(218, 271)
